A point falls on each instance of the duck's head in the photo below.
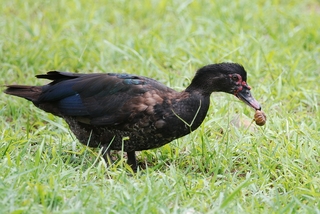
(225, 77)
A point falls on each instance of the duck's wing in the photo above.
(96, 99)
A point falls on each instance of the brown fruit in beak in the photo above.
(260, 118)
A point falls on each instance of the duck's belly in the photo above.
(137, 140)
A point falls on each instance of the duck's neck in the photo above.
(192, 109)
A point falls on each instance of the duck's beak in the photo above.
(245, 96)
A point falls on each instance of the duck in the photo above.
(119, 111)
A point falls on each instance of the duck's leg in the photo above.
(132, 161)
(106, 154)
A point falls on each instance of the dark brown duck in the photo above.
(134, 113)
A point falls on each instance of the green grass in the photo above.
(221, 167)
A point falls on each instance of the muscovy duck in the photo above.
(123, 111)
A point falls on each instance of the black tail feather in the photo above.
(31, 93)
(58, 75)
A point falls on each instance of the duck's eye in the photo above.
(235, 78)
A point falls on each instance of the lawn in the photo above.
(228, 165)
